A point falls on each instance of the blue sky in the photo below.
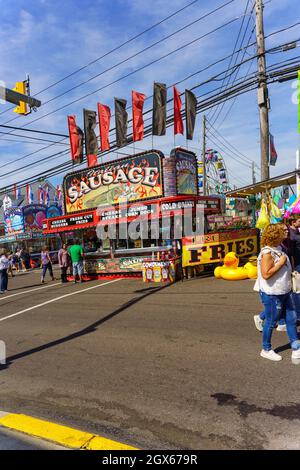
(49, 39)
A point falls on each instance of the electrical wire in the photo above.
(217, 111)
(233, 52)
(112, 50)
(203, 104)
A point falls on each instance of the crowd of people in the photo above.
(70, 259)
(279, 256)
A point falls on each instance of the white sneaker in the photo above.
(258, 322)
(281, 328)
(272, 355)
(296, 356)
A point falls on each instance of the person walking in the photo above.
(18, 258)
(275, 286)
(77, 254)
(4, 266)
(294, 238)
(12, 264)
(64, 262)
(259, 319)
(46, 264)
(25, 260)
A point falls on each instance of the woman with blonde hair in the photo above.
(275, 287)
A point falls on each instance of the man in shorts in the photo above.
(76, 253)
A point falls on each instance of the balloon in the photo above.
(292, 199)
(263, 219)
(280, 203)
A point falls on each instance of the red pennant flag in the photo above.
(104, 123)
(137, 115)
(178, 124)
(92, 160)
(76, 140)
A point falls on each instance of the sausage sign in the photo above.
(212, 248)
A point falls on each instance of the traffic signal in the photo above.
(22, 107)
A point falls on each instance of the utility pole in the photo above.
(263, 100)
(203, 152)
(253, 173)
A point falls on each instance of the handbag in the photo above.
(296, 282)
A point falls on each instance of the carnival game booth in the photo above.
(104, 202)
(24, 229)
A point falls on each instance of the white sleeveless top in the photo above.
(281, 282)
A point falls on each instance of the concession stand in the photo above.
(130, 216)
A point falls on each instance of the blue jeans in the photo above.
(281, 320)
(77, 268)
(296, 297)
(45, 267)
(274, 305)
(3, 280)
(262, 315)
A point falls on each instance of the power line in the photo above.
(66, 165)
(113, 50)
(233, 52)
(130, 57)
(210, 102)
(32, 130)
(218, 112)
(242, 156)
(136, 70)
(221, 145)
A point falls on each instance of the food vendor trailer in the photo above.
(133, 211)
(103, 202)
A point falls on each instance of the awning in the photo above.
(263, 186)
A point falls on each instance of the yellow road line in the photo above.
(59, 434)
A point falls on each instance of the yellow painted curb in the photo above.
(59, 434)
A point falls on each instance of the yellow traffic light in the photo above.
(21, 88)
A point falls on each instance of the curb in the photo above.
(59, 434)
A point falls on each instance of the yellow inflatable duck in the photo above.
(231, 272)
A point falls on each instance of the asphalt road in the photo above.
(157, 367)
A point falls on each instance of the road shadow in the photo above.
(87, 330)
(282, 348)
(24, 287)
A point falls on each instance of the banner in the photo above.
(212, 248)
(273, 153)
(53, 211)
(159, 116)
(91, 145)
(128, 180)
(76, 140)
(121, 120)
(13, 220)
(34, 215)
(186, 172)
(190, 113)
(178, 124)
(299, 101)
(104, 123)
(137, 115)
